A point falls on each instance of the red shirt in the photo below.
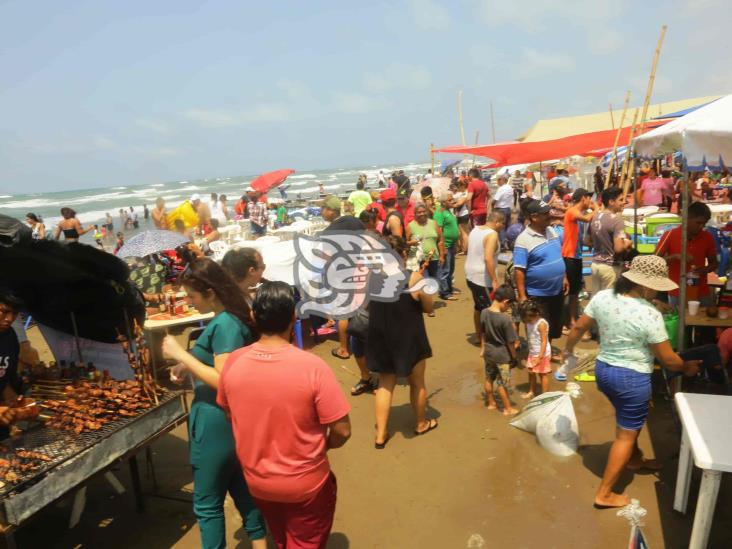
(572, 246)
(407, 215)
(699, 248)
(479, 203)
(281, 400)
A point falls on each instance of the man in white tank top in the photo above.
(481, 263)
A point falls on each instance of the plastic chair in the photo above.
(219, 249)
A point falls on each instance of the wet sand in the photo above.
(473, 482)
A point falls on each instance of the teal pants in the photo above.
(216, 471)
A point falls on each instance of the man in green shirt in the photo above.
(448, 223)
(359, 198)
(281, 215)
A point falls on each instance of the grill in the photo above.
(60, 445)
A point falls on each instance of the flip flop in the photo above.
(584, 376)
(334, 352)
(382, 445)
(645, 466)
(450, 298)
(431, 424)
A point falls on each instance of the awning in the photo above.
(584, 144)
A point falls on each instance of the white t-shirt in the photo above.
(504, 196)
(534, 337)
(462, 210)
(475, 270)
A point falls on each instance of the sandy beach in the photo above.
(473, 482)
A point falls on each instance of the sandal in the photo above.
(585, 376)
(336, 354)
(450, 298)
(431, 424)
(382, 445)
(431, 315)
(363, 386)
(646, 465)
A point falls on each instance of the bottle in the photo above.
(91, 371)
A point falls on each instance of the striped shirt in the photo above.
(540, 256)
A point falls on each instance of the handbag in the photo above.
(358, 325)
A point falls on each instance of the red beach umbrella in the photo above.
(268, 181)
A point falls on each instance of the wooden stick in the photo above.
(628, 155)
(612, 118)
(617, 138)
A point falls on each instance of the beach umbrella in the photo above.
(74, 288)
(13, 231)
(151, 242)
(270, 180)
(447, 164)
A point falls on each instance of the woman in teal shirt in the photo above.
(216, 469)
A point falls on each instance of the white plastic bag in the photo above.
(551, 417)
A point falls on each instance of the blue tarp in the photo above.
(679, 114)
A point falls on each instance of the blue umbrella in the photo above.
(152, 242)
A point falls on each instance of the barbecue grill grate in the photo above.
(61, 445)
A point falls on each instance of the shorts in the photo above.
(628, 391)
(539, 365)
(358, 346)
(552, 308)
(573, 268)
(481, 296)
(604, 276)
(257, 230)
(500, 374)
(478, 219)
(463, 219)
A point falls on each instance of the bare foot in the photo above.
(510, 412)
(611, 500)
(647, 464)
(527, 395)
(492, 406)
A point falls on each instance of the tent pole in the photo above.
(76, 337)
(682, 269)
(628, 153)
(432, 156)
(612, 118)
(635, 207)
(617, 137)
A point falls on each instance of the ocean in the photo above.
(91, 205)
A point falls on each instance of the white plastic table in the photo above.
(705, 437)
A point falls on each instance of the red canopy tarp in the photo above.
(266, 181)
(527, 152)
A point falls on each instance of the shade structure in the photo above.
(704, 136)
(538, 151)
(267, 181)
(152, 242)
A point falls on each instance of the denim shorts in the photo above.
(358, 346)
(628, 391)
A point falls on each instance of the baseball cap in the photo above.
(579, 194)
(388, 194)
(403, 193)
(331, 202)
(195, 196)
(537, 207)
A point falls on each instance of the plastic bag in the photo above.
(551, 417)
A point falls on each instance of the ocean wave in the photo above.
(304, 176)
(158, 185)
(190, 188)
(119, 188)
(34, 203)
(6, 196)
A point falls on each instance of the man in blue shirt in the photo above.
(539, 266)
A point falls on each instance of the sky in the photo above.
(100, 93)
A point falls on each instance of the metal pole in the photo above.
(76, 336)
(682, 269)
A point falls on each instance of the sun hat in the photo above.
(650, 271)
(195, 196)
(331, 202)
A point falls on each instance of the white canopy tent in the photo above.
(704, 138)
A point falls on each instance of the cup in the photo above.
(723, 312)
(693, 308)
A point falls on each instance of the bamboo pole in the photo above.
(684, 197)
(493, 123)
(460, 117)
(612, 118)
(628, 155)
(432, 156)
(617, 138)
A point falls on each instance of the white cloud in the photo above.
(154, 125)
(294, 89)
(429, 15)
(69, 146)
(159, 152)
(603, 41)
(638, 84)
(260, 113)
(535, 64)
(357, 103)
(398, 76)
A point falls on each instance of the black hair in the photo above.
(32, 216)
(398, 243)
(504, 293)
(179, 224)
(426, 192)
(474, 172)
(368, 216)
(214, 223)
(7, 297)
(530, 307)
(611, 193)
(624, 285)
(389, 203)
(222, 197)
(205, 274)
(700, 210)
(238, 262)
(274, 307)
(68, 213)
(361, 184)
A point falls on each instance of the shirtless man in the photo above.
(158, 214)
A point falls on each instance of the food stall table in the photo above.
(76, 458)
(705, 439)
(157, 324)
(701, 319)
